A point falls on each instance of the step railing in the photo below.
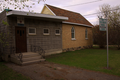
(38, 49)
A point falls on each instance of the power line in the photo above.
(100, 12)
(92, 14)
(82, 3)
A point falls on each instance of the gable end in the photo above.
(47, 10)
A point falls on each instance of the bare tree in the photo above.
(113, 14)
(99, 37)
(18, 4)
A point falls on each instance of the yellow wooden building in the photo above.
(76, 31)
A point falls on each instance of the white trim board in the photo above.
(49, 9)
(29, 14)
(76, 24)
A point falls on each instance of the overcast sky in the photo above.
(84, 9)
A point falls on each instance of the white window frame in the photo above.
(46, 33)
(57, 33)
(86, 33)
(31, 33)
(74, 33)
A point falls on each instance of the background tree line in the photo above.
(113, 14)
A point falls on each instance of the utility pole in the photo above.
(107, 39)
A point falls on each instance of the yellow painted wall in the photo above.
(46, 11)
(79, 36)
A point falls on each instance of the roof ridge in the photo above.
(73, 17)
(62, 9)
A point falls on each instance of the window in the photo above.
(46, 32)
(20, 32)
(57, 32)
(86, 34)
(32, 31)
(73, 33)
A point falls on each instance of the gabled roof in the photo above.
(73, 17)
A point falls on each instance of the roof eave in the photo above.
(29, 14)
(76, 24)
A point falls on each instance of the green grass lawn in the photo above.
(8, 74)
(91, 59)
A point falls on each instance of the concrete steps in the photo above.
(27, 58)
(32, 61)
(30, 58)
(29, 54)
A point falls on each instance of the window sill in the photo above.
(46, 34)
(32, 33)
(57, 34)
(73, 39)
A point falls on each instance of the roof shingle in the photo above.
(73, 16)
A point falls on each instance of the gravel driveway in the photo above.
(50, 71)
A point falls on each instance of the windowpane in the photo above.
(17, 31)
(46, 31)
(20, 33)
(57, 31)
(23, 31)
(72, 30)
(72, 33)
(86, 33)
(31, 30)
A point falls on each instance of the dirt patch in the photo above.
(109, 68)
(50, 71)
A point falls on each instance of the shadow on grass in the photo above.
(112, 47)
